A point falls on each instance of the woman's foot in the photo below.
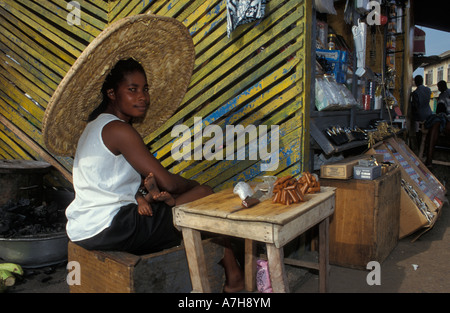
(151, 186)
(166, 197)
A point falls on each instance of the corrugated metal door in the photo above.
(254, 79)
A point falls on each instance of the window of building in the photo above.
(429, 78)
(448, 73)
(440, 73)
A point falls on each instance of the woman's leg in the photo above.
(234, 274)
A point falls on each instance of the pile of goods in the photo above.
(289, 190)
(7, 275)
(285, 190)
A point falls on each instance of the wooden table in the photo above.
(273, 224)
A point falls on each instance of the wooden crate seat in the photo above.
(121, 272)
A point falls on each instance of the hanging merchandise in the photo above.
(361, 6)
(240, 12)
(325, 6)
(331, 41)
(360, 36)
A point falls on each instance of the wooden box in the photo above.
(365, 224)
(343, 169)
(162, 272)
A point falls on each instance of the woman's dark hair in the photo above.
(112, 81)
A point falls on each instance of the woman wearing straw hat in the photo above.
(125, 85)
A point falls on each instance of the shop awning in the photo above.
(432, 14)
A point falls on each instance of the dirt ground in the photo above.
(421, 266)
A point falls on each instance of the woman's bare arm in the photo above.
(122, 138)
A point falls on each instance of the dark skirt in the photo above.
(138, 234)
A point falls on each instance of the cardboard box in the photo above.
(412, 219)
(343, 169)
(366, 172)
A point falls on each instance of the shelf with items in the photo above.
(360, 83)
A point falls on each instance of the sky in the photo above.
(436, 42)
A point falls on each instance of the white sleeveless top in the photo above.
(103, 183)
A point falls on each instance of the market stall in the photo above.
(360, 66)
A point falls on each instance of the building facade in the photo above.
(433, 73)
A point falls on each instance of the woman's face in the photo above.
(131, 98)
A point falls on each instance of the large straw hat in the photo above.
(161, 44)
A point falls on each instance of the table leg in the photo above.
(275, 257)
(324, 264)
(196, 260)
(250, 265)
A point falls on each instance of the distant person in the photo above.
(420, 101)
(439, 122)
(443, 104)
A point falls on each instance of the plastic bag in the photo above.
(243, 190)
(263, 283)
(325, 6)
(323, 97)
(265, 186)
(243, 11)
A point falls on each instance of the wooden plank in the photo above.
(228, 205)
(258, 231)
(44, 28)
(27, 70)
(296, 227)
(15, 77)
(92, 15)
(324, 265)
(7, 150)
(196, 260)
(277, 271)
(21, 145)
(205, 92)
(11, 146)
(250, 265)
(281, 214)
(36, 35)
(14, 50)
(195, 10)
(227, 93)
(45, 156)
(50, 11)
(248, 169)
(245, 46)
(259, 89)
(226, 169)
(276, 118)
(232, 65)
(26, 107)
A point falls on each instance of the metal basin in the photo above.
(36, 251)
